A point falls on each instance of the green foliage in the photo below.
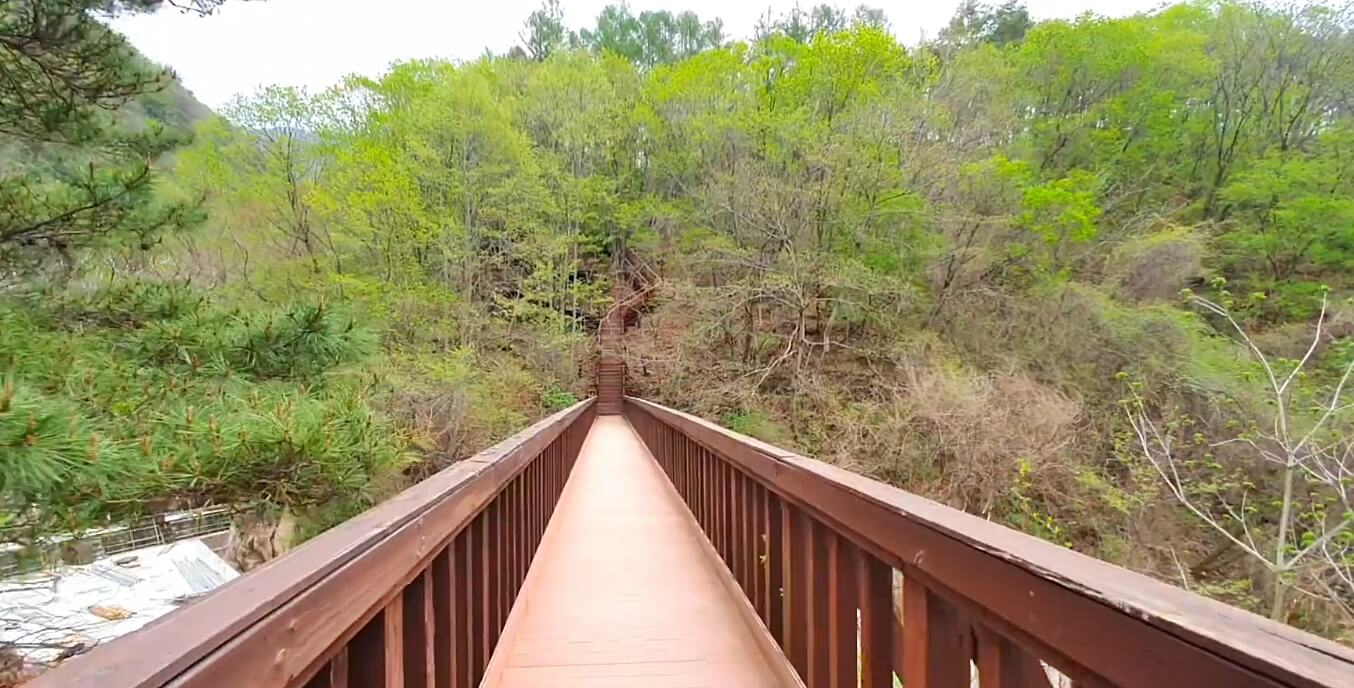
(974, 21)
(79, 176)
(1026, 513)
(937, 262)
(1293, 212)
(754, 423)
(58, 472)
(556, 399)
(299, 342)
(150, 394)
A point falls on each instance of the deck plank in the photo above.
(621, 592)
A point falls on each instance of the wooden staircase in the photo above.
(632, 286)
(611, 366)
(611, 357)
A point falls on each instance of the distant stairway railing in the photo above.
(859, 582)
(414, 592)
(633, 283)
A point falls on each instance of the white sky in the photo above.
(315, 43)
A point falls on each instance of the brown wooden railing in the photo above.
(413, 593)
(859, 582)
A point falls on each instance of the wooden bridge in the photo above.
(647, 547)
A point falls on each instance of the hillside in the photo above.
(174, 105)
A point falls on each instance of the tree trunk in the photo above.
(1276, 609)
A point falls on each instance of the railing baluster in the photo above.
(509, 526)
(841, 623)
(708, 468)
(417, 611)
(716, 532)
(728, 496)
(819, 596)
(775, 567)
(376, 654)
(797, 589)
(557, 462)
(719, 503)
(462, 611)
(735, 555)
(748, 535)
(693, 465)
(334, 673)
(936, 642)
(523, 529)
(1001, 664)
(735, 505)
(684, 455)
(537, 507)
(876, 622)
(493, 570)
(759, 550)
(706, 476)
(733, 525)
(519, 536)
(478, 584)
(443, 605)
(737, 548)
(708, 495)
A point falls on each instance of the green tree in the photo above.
(544, 32)
(82, 177)
(263, 154)
(651, 37)
(976, 21)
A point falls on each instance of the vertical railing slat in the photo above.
(417, 611)
(736, 542)
(478, 584)
(875, 590)
(842, 631)
(748, 531)
(936, 643)
(334, 673)
(797, 587)
(819, 596)
(443, 601)
(759, 596)
(462, 612)
(775, 567)
(1001, 664)
(493, 570)
(376, 654)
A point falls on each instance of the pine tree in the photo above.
(77, 176)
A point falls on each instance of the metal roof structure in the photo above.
(48, 616)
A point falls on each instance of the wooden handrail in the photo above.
(821, 553)
(411, 593)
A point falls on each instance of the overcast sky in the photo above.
(314, 43)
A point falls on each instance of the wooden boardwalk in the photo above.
(623, 591)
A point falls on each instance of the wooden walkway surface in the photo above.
(622, 591)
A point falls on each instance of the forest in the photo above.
(1086, 278)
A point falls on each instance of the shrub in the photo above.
(150, 397)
